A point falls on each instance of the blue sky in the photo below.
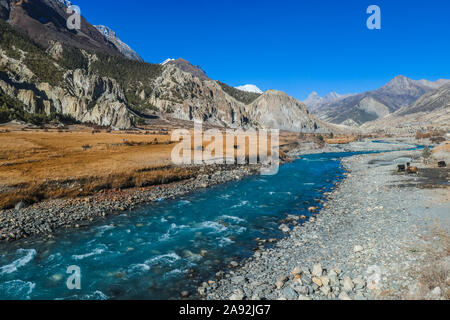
(297, 46)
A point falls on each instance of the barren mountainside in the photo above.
(111, 36)
(372, 105)
(186, 66)
(45, 22)
(110, 90)
(432, 109)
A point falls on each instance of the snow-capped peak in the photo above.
(250, 88)
(167, 61)
(112, 37)
(66, 3)
(314, 100)
(332, 96)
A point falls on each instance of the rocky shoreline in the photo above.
(358, 247)
(359, 146)
(367, 243)
(43, 219)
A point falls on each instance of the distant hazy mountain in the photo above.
(111, 36)
(186, 66)
(432, 109)
(370, 106)
(434, 100)
(316, 102)
(250, 88)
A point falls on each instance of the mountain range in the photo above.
(369, 106)
(316, 102)
(90, 76)
(48, 72)
(430, 110)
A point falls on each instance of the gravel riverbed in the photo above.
(43, 219)
(373, 240)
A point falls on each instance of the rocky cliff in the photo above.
(187, 97)
(275, 109)
(87, 98)
(107, 89)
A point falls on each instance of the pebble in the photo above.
(238, 295)
(358, 249)
(344, 296)
(317, 270)
(348, 284)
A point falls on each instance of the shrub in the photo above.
(426, 153)
(36, 59)
(73, 58)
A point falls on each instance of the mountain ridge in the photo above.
(110, 90)
(125, 49)
(186, 66)
(315, 102)
(430, 110)
(369, 106)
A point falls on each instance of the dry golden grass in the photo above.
(444, 147)
(78, 161)
(341, 140)
(36, 162)
(38, 191)
(37, 156)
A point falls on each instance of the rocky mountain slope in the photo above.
(431, 110)
(188, 97)
(186, 66)
(111, 36)
(372, 105)
(58, 82)
(275, 109)
(45, 21)
(110, 90)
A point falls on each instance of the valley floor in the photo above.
(54, 178)
(381, 235)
